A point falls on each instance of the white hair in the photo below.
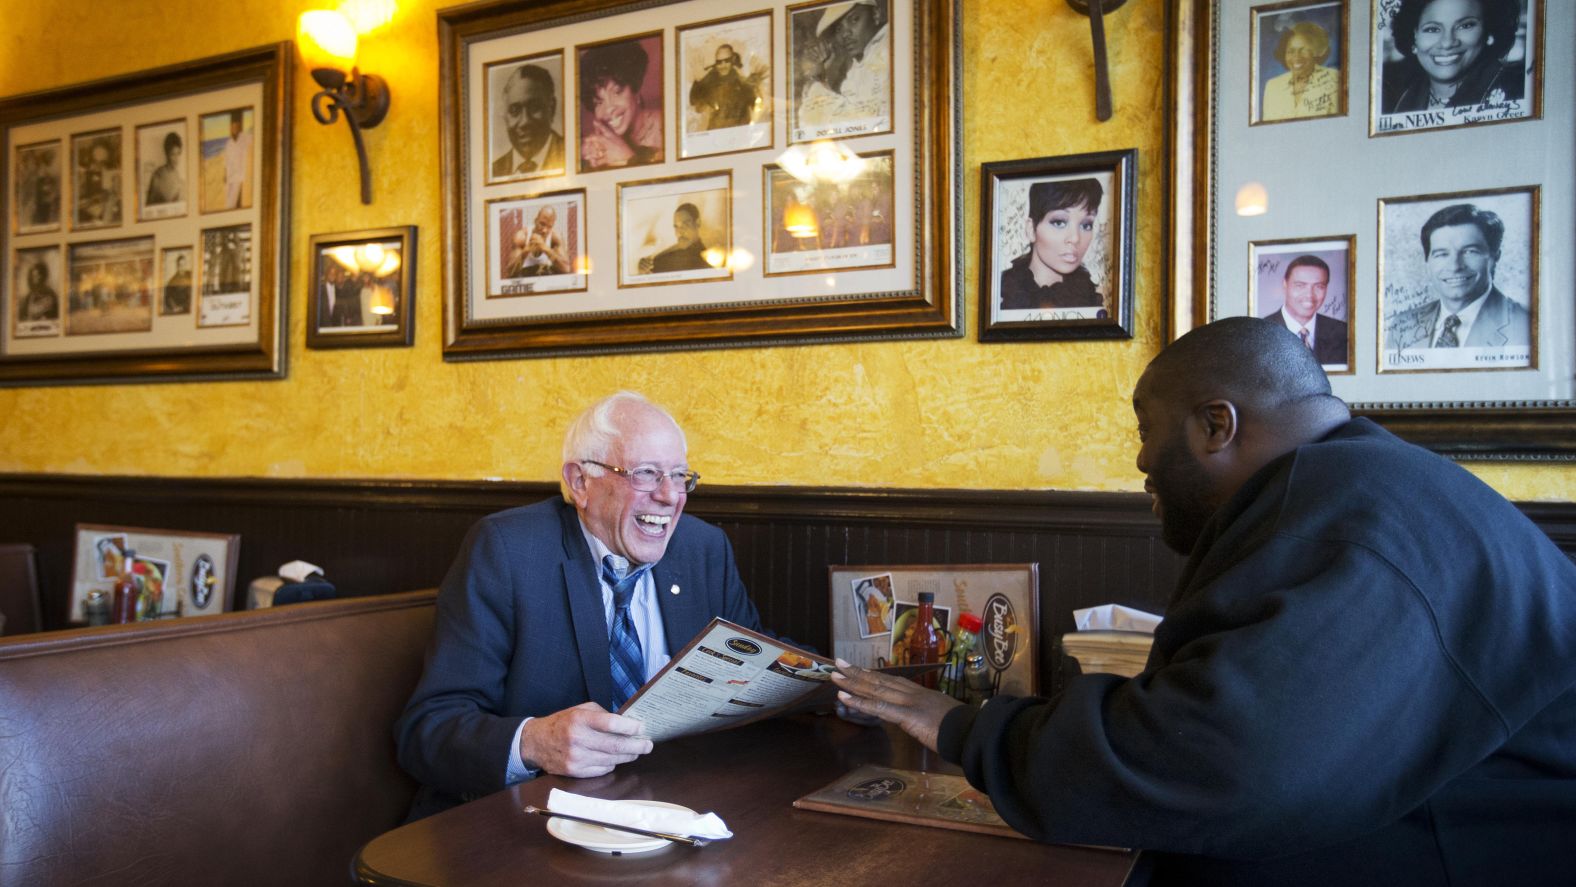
(593, 432)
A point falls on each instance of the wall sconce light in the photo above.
(821, 161)
(328, 46)
(1252, 200)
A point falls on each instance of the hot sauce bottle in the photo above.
(127, 594)
(924, 642)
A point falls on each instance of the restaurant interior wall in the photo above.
(949, 414)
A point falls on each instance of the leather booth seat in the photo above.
(243, 748)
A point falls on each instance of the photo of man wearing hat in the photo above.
(843, 69)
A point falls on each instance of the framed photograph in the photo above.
(95, 180)
(36, 202)
(1438, 65)
(674, 230)
(1458, 281)
(126, 180)
(226, 277)
(700, 98)
(363, 289)
(815, 226)
(537, 245)
(525, 117)
(180, 573)
(161, 170)
(111, 287)
(1056, 247)
(1003, 596)
(842, 60)
(621, 108)
(724, 70)
(1298, 61)
(175, 276)
(1306, 285)
(37, 278)
(1240, 189)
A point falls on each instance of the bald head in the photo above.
(1219, 404)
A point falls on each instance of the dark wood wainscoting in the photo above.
(376, 537)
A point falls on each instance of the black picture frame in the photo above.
(357, 300)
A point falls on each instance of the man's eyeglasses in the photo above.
(647, 479)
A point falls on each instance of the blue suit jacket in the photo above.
(520, 631)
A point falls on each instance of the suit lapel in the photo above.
(683, 614)
(585, 609)
(1491, 321)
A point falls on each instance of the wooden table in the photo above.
(750, 777)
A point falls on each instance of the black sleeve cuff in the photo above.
(955, 727)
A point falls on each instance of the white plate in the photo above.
(606, 840)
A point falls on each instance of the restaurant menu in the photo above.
(916, 797)
(728, 676)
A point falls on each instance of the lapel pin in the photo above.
(673, 590)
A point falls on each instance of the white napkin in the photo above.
(652, 819)
(1114, 617)
(298, 571)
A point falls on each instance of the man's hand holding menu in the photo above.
(586, 740)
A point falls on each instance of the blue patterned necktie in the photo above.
(623, 642)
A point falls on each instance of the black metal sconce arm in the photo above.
(364, 100)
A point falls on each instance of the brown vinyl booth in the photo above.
(243, 748)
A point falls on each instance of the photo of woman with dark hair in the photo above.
(620, 124)
(1453, 55)
(1061, 226)
(1308, 88)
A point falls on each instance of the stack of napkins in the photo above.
(1111, 639)
(652, 819)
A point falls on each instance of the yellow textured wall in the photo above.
(929, 414)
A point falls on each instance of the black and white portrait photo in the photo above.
(161, 170)
(842, 69)
(675, 230)
(112, 286)
(175, 280)
(96, 180)
(1306, 285)
(824, 225)
(1299, 61)
(35, 292)
(37, 182)
(621, 111)
(536, 245)
(226, 277)
(1440, 63)
(724, 78)
(1456, 281)
(525, 118)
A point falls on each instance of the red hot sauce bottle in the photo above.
(924, 642)
(127, 593)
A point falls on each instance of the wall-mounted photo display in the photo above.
(1458, 281)
(362, 285)
(111, 287)
(161, 170)
(226, 277)
(676, 229)
(842, 64)
(819, 224)
(1299, 61)
(1444, 63)
(1056, 241)
(537, 244)
(525, 117)
(39, 188)
(176, 276)
(38, 280)
(796, 158)
(724, 70)
(95, 180)
(1436, 74)
(151, 206)
(621, 102)
(1305, 284)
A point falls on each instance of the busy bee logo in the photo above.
(1001, 640)
(740, 645)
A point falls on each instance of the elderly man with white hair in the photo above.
(554, 614)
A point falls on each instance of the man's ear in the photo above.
(575, 482)
(1218, 418)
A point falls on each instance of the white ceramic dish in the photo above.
(606, 840)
